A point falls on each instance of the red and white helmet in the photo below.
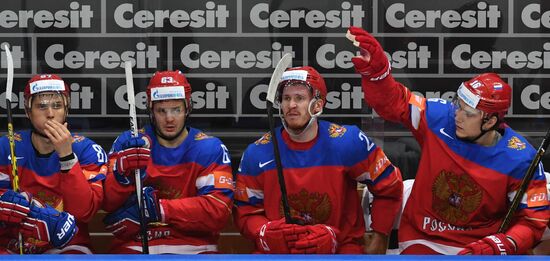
(306, 75)
(45, 83)
(169, 85)
(488, 93)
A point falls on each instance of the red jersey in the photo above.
(462, 190)
(78, 191)
(321, 182)
(194, 183)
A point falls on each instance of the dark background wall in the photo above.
(228, 50)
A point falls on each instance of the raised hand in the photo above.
(60, 137)
(373, 62)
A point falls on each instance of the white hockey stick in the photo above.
(285, 61)
(134, 130)
(11, 137)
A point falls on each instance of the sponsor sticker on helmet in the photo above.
(467, 96)
(167, 93)
(47, 86)
(300, 75)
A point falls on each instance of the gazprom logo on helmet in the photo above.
(298, 75)
(167, 93)
(47, 86)
(467, 96)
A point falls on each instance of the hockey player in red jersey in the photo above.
(60, 177)
(187, 178)
(322, 163)
(471, 163)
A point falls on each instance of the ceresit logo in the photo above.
(533, 17)
(78, 16)
(47, 86)
(398, 15)
(533, 99)
(192, 56)
(211, 16)
(16, 52)
(445, 95)
(348, 97)
(414, 57)
(262, 16)
(215, 97)
(464, 58)
(82, 97)
(167, 93)
(144, 57)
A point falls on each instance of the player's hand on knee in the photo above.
(320, 239)
(14, 207)
(45, 223)
(498, 244)
(134, 155)
(124, 223)
(372, 62)
(277, 237)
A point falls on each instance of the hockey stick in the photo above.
(134, 130)
(525, 183)
(11, 136)
(285, 61)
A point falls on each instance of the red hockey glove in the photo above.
(373, 61)
(321, 239)
(277, 237)
(14, 207)
(498, 244)
(135, 154)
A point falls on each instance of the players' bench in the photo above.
(231, 241)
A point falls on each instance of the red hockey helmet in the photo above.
(169, 85)
(488, 93)
(306, 75)
(45, 83)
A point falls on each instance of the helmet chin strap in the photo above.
(297, 134)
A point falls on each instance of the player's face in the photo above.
(468, 120)
(294, 106)
(169, 117)
(44, 107)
